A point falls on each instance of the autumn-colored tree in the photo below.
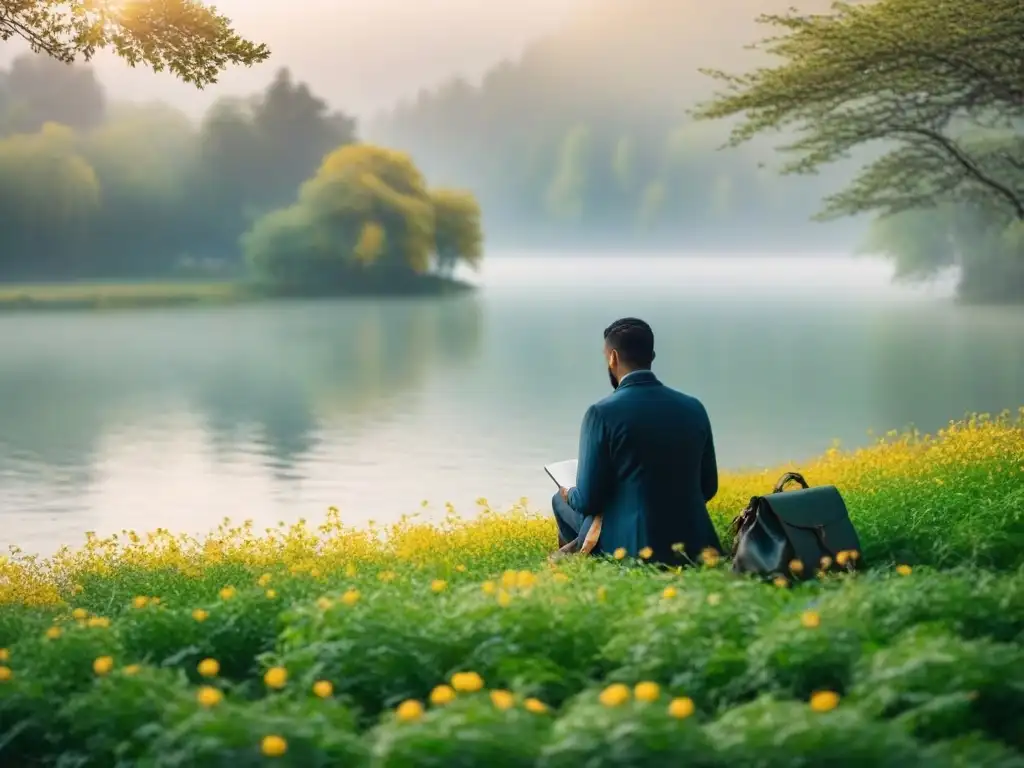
(458, 235)
(940, 82)
(366, 214)
(183, 36)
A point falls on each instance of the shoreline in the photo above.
(109, 295)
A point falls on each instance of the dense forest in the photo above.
(90, 189)
(619, 131)
(586, 139)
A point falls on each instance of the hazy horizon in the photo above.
(342, 56)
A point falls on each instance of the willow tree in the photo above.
(935, 87)
(183, 36)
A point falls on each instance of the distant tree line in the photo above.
(90, 189)
(586, 140)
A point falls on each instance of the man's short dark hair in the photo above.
(633, 339)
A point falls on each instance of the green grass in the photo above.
(927, 662)
(137, 295)
(119, 295)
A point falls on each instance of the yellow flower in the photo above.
(208, 668)
(536, 706)
(5, 674)
(488, 587)
(387, 576)
(351, 597)
(323, 689)
(796, 566)
(79, 614)
(276, 677)
(409, 710)
(781, 582)
(132, 669)
(103, 665)
(227, 593)
(504, 599)
(460, 568)
(441, 695)
(903, 570)
(714, 599)
(525, 579)
(681, 708)
(842, 558)
(619, 553)
(98, 622)
(647, 691)
(503, 699)
(467, 682)
(53, 633)
(273, 746)
(208, 696)
(710, 557)
(646, 553)
(438, 585)
(140, 601)
(823, 701)
(263, 580)
(200, 615)
(669, 593)
(350, 570)
(825, 563)
(5, 655)
(614, 695)
(271, 594)
(324, 603)
(810, 619)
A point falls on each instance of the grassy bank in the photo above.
(138, 295)
(455, 645)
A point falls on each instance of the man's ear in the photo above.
(613, 359)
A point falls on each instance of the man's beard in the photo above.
(613, 379)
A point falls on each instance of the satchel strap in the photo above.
(789, 477)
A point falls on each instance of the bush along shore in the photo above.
(456, 644)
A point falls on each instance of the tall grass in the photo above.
(456, 645)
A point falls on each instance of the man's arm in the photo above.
(709, 468)
(594, 470)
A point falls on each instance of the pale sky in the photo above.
(362, 55)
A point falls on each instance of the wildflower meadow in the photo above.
(458, 644)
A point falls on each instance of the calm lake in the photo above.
(178, 418)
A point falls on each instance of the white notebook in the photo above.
(563, 473)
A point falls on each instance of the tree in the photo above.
(49, 194)
(914, 73)
(39, 90)
(366, 210)
(457, 232)
(184, 36)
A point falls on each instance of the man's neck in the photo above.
(628, 374)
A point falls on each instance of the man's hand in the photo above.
(565, 494)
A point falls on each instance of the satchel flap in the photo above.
(815, 507)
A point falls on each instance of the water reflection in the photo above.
(264, 383)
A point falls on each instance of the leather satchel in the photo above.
(795, 534)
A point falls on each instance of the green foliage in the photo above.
(457, 232)
(186, 37)
(466, 733)
(366, 212)
(857, 75)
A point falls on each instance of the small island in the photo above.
(272, 197)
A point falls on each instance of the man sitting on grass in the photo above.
(646, 464)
